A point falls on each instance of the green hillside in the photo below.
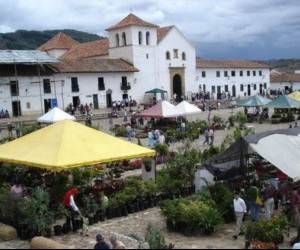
(289, 65)
(28, 40)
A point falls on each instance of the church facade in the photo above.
(136, 57)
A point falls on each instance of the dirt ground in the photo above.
(137, 223)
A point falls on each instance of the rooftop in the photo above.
(25, 57)
(201, 63)
(131, 19)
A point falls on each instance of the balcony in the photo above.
(125, 86)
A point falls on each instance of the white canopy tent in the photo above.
(55, 115)
(280, 147)
(282, 151)
(163, 109)
(188, 109)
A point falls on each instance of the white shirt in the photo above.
(72, 204)
(161, 139)
(239, 205)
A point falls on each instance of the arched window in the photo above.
(124, 38)
(168, 56)
(147, 37)
(140, 37)
(117, 40)
(183, 56)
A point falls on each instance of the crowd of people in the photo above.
(264, 200)
(4, 114)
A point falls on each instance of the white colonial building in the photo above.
(136, 57)
(283, 82)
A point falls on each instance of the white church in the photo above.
(136, 57)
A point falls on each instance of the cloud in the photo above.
(240, 24)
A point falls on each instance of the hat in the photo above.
(99, 237)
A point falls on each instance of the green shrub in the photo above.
(39, 217)
(121, 132)
(267, 230)
(155, 238)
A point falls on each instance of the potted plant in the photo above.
(38, 215)
(272, 230)
(147, 162)
(210, 219)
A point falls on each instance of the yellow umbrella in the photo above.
(295, 95)
(68, 144)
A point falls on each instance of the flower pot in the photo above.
(96, 218)
(130, 208)
(209, 230)
(170, 225)
(47, 233)
(91, 220)
(66, 228)
(24, 234)
(118, 212)
(189, 231)
(124, 211)
(58, 230)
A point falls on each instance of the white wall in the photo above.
(212, 80)
(175, 40)
(88, 86)
(284, 85)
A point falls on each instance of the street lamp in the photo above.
(62, 93)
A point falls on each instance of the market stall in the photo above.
(279, 148)
(68, 144)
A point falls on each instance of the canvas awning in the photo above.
(162, 109)
(279, 147)
(283, 101)
(254, 101)
(156, 91)
(55, 115)
(188, 109)
(68, 144)
(295, 95)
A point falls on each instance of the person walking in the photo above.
(129, 132)
(252, 198)
(150, 138)
(9, 129)
(125, 116)
(268, 195)
(18, 132)
(211, 134)
(240, 209)
(206, 135)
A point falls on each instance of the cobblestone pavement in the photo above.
(137, 224)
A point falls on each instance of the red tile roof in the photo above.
(131, 20)
(90, 49)
(284, 77)
(59, 41)
(162, 32)
(200, 63)
(94, 65)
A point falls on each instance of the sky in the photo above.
(219, 29)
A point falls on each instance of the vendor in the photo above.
(16, 190)
(69, 203)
